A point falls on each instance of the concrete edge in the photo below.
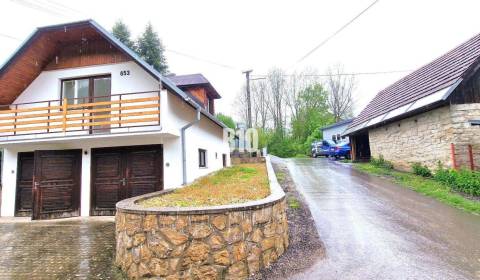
(130, 205)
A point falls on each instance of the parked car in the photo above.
(323, 148)
(339, 150)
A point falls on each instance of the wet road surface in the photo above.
(373, 229)
(58, 249)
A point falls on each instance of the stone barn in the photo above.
(431, 115)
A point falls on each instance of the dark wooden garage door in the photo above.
(23, 201)
(123, 172)
(56, 188)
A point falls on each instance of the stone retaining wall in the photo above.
(221, 242)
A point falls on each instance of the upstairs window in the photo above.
(76, 91)
(202, 158)
(85, 90)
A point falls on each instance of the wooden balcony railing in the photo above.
(82, 115)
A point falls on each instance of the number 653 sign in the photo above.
(125, 73)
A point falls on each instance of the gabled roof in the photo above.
(91, 24)
(184, 81)
(430, 84)
(340, 123)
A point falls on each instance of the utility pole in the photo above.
(249, 103)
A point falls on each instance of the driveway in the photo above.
(57, 249)
(373, 229)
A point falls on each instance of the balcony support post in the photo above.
(64, 107)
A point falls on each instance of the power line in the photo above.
(203, 60)
(335, 33)
(37, 7)
(339, 74)
(60, 6)
(168, 50)
(10, 37)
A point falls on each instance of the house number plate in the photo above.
(125, 73)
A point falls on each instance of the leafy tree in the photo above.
(227, 120)
(121, 31)
(312, 114)
(151, 49)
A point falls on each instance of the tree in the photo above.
(297, 83)
(313, 113)
(259, 104)
(340, 87)
(276, 98)
(151, 49)
(121, 32)
(240, 105)
(227, 120)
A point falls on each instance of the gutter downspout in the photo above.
(184, 154)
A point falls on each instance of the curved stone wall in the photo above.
(221, 242)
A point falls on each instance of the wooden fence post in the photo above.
(452, 153)
(64, 108)
(470, 157)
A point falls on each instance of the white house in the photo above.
(84, 123)
(334, 131)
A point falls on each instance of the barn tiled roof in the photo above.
(437, 75)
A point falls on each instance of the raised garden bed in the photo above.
(236, 184)
(228, 241)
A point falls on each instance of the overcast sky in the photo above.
(393, 35)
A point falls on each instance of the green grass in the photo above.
(236, 184)
(301, 156)
(293, 203)
(280, 176)
(426, 186)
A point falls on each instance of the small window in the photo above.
(202, 158)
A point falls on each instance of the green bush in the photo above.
(421, 170)
(381, 162)
(281, 146)
(465, 181)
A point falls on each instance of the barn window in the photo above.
(475, 122)
(202, 158)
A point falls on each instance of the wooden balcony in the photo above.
(81, 116)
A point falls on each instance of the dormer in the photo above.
(199, 88)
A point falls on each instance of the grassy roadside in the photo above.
(236, 184)
(428, 187)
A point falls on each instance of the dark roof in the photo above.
(190, 79)
(445, 72)
(184, 81)
(114, 41)
(337, 124)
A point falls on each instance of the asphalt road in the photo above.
(373, 229)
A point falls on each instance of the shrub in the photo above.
(381, 162)
(443, 175)
(421, 170)
(281, 146)
(465, 181)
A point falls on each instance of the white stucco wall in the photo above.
(47, 86)
(203, 135)
(175, 113)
